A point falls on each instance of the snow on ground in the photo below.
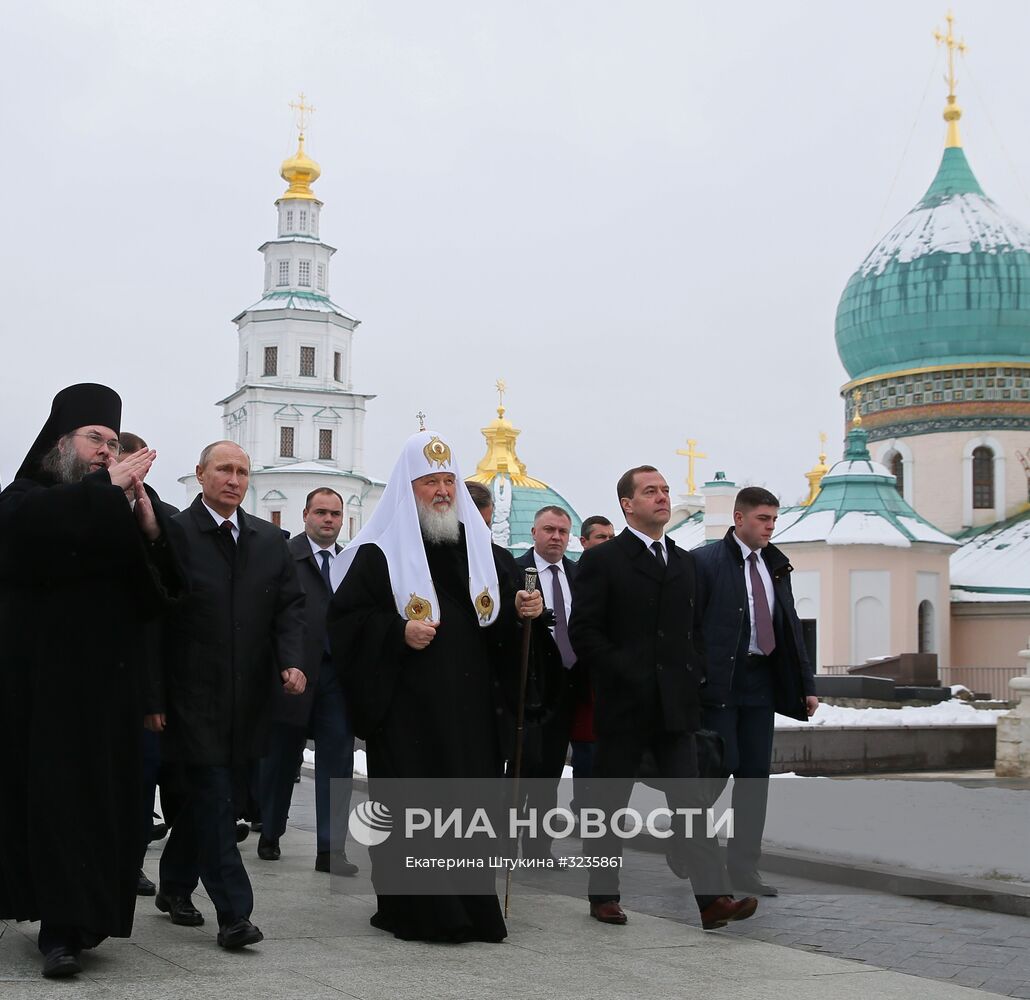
(947, 713)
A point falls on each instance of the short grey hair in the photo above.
(205, 455)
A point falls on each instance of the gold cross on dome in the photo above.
(691, 456)
(502, 387)
(421, 418)
(303, 110)
(948, 40)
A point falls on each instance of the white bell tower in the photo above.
(294, 410)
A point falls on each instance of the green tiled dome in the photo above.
(949, 284)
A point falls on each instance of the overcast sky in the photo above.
(640, 214)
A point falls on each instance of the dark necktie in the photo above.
(659, 552)
(225, 533)
(324, 556)
(561, 623)
(763, 619)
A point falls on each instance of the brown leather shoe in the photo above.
(609, 912)
(723, 909)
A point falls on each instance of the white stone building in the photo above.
(294, 409)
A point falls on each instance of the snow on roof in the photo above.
(813, 528)
(960, 224)
(923, 531)
(689, 534)
(994, 565)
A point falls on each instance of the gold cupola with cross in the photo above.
(500, 455)
(516, 496)
(299, 170)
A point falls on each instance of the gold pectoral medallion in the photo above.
(417, 609)
(485, 605)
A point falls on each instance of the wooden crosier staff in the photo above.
(520, 718)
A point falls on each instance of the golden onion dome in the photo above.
(300, 172)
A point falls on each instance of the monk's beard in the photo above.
(440, 525)
(64, 464)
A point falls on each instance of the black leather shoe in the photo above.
(180, 909)
(335, 863)
(268, 849)
(242, 832)
(144, 887)
(60, 963)
(238, 934)
(751, 884)
(158, 832)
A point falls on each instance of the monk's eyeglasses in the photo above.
(114, 446)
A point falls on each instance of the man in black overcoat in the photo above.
(84, 565)
(757, 666)
(320, 710)
(634, 626)
(238, 637)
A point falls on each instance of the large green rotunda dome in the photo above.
(948, 285)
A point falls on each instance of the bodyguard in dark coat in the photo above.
(81, 573)
(634, 626)
(320, 710)
(236, 640)
(757, 665)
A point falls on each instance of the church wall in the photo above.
(989, 634)
(939, 475)
(902, 577)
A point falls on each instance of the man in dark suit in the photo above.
(235, 640)
(634, 627)
(320, 709)
(757, 665)
(555, 659)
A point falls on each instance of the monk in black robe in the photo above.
(424, 688)
(81, 571)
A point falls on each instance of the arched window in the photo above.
(926, 628)
(897, 467)
(983, 478)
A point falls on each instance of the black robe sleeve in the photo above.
(366, 635)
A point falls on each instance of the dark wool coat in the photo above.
(78, 582)
(242, 624)
(634, 626)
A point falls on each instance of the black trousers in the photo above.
(202, 845)
(616, 762)
(747, 733)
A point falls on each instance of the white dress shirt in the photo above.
(543, 567)
(763, 572)
(650, 541)
(219, 519)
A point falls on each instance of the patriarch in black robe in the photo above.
(422, 627)
(83, 566)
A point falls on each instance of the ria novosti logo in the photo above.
(370, 823)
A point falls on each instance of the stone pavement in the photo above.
(990, 951)
(318, 944)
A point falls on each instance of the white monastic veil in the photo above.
(395, 529)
